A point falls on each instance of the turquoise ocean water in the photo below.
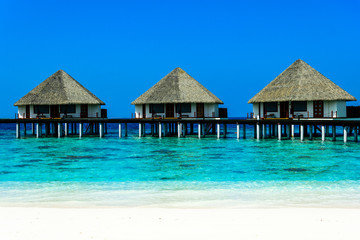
(172, 172)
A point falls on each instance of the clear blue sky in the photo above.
(119, 49)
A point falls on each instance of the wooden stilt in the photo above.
(301, 132)
(37, 130)
(17, 130)
(160, 130)
(322, 133)
(288, 132)
(279, 131)
(356, 134)
(345, 134)
(126, 132)
(334, 133)
(218, 130)
(120, 131)
(311, 132)
(199, 130)
(80, 130)
(237, 131)
(244, 131)
(59, 130)
(66, 129)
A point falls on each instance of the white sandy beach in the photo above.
(166, 223)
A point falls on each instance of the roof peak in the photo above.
(59, 88)
(177, 87)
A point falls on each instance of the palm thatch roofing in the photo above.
(177, 87)
(301, 82)
(60, 88)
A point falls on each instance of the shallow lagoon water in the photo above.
(172, 172)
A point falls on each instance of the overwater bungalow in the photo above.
(178, 95)
(60, 96)
(301, 91)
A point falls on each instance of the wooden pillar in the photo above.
(81, 129)
(160, 130)
(126, 133)
(237, 131)
(334, 133)
(66, 129)
(191, 128)
(301, 132)
(356, 134)
(244, 130)
(322, 133)
(33, 128)
(292, 130)
(218, 130)
(24, 129)
(17, 130)
(311, 132)
(263, 131)
(345, 134)
(106, 128)
(225, 130)
(288, 132)
(47, 129)
(257, 131)
(37, 130)
(140, 130)
(199, 130)
(327, 131)
(279, 131)
(179, 129)
(59, 125)
(120, 131)
(101, 130)
(275, 130)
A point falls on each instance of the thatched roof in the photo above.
(301, 82)
(59, 88)
(177, 87)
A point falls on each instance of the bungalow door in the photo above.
(284, 109)
(318, 109)
(27, 111)
(54, 111)
(144, 110)
(200, 110)
(170, 110)
(84, 111)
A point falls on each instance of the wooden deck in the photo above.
(283, 121)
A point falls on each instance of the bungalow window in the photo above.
(156, 108)
(271, 107)
(183, 108)
(71, 108)
(300, 106)
(41, 109)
